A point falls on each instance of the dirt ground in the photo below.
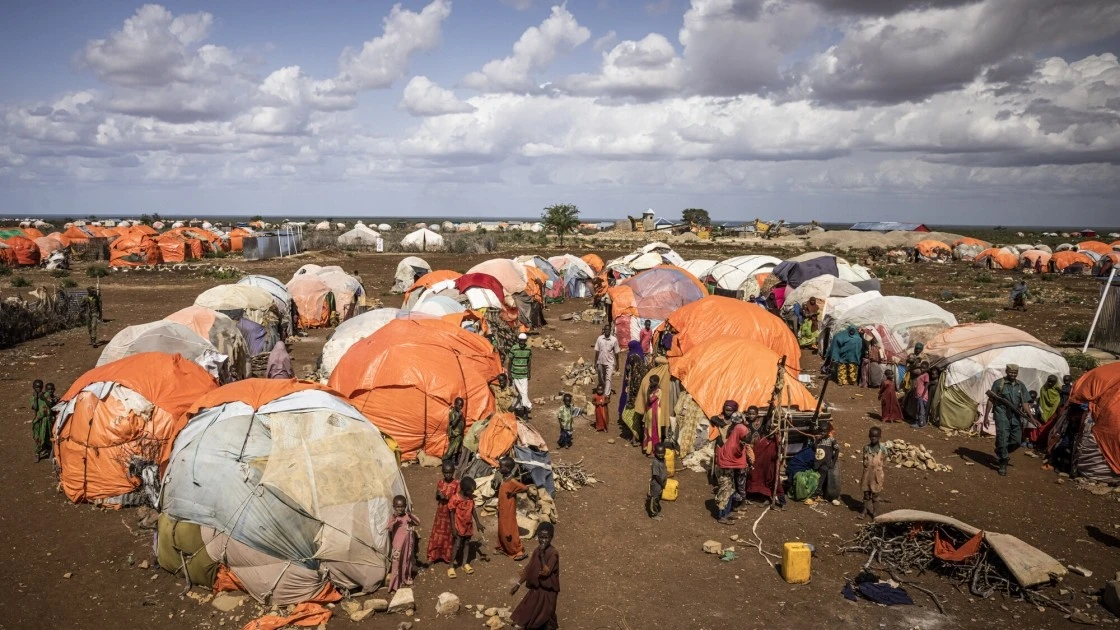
(78, 566)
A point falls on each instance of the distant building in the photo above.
(889, 226)
(1088, 233)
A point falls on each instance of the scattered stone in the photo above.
(1100, 491)
(144, 564)
(491, 612)
(713, 547)
(567, 317)
(1079, 617)
(610, 440)
(227, 602)
(1110, 597)
(379, 605)
(67, 575)
(494, 623)
(548, 342)
(593, 315)
(916, 456)
(1080, 570)
(579, 373)
(426, 460)
(402, 600)
(954, 492)
(405, 625)
(447, 604)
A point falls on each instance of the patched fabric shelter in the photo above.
(167, 337)
(1069, 261)
(655, 293)
(998, 258)
(251, 307)
(739, 276)
(119, 416)
(509, 273)
(289, 487)
(405, 376)
(409, 270)
(717, 316)
(221, 331)
(896, 321)
(1097, 451)
(134, 249)
(355, 329)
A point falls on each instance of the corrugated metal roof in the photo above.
(888, 226)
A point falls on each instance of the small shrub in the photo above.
(97, 270)
(222, 273)
(68, 283)
(1075, 334)
(983, 278)
(5, 270)
(876, 252)
(1045, 277)
(216, 254)
(984, 315)
(60, 273)
(909, 282)
(1079, 363)
(19, 282)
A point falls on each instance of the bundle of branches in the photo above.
(572, 477)
(20, 320)
(908, 549)
(501, 335)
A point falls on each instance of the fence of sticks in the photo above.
(53, 311)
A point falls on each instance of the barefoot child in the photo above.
(564, 416)
(402, 528)
(542, 577)
(601, 401)
(659, 475)
(439, 541)
(874, 461)
(464, 520)
(509, 539)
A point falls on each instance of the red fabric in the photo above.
(602, 417)
(945, 550)
(462, 510)
(890, 410)
(765, 471)
(509, 538)
(481, 281)
(733, 454)
(439, 541)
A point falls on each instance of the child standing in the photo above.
(601, 400)
(402, 527)
(874, 462)
(542, 577)
(564, 416)
(659, 475)
(509, 539)
(439, 541)
(464, 520)
(41, 424)
(652, 417)
(921, 394)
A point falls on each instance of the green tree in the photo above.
(256, 217)
(699, 216)
(561, 218)
(146, 219)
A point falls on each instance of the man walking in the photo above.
(91, 311)
(606, 358)
(520, 359)
(1009, 400)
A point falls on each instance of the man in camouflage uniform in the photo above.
(91, 310)
(1009, 423)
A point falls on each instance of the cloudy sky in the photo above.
(946, 111)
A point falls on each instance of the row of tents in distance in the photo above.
(1086, 257)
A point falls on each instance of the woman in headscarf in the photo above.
(631, 380)
(845, 352)
(279, 362)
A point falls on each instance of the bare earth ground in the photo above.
(620, 569)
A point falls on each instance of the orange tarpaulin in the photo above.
(237, 238)
(930, 248)
(309, 293)
(94, 443)
(968, 240)
(1094, 246)
(1000, 258)
(733, 368)
(26, 251)
(1036, 258)
(32, 233)
(1059, 261)
(405, 376)
(945, 550)
(1100, 389)
(173, 248)
(715, 316)
(498, 437)
(77, 235)
(134, 249)
(432, 277)
(594, 262)
(307, 614)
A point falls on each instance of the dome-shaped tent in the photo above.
(968, 240)
(119, 414)
(346, 289)
(359, 236)
(314, 300)
(437, 305)
(423, 240)
(220, 331)
(1070, 261)
(578, 275)
(134, 249)
(655, 293)
(280, 296)
(734, 368)
(174, 248)
(973, 356)
(1035, 259)
(898, 322)
(823, 288)
(48, 245)
(409, 270)
(1001, 258)
(167, 337)
(1097, 443)
(1094, 246)
(251, 307)
(26, 252)
(290, 488)
(967, 252)
(355, 329)
(405, 376)
(426, 282)
(593, 261)
(717, 316)
(738, 273)
(930, 250)
(701, 267)
(510, 273)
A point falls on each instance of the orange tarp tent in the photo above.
(594, 262)
(1035, 258)
(1094, 246)
(100, 431)
(26, 251)
(655, 293)
(309, 294)
(1100, 389)
(1059, 261)
(48, 245)
(62, 238)
(134, 249)
(77, 235)
(432, 277)
(534, 288)
(716, 316)
(931, 249)
(173, 248)
(733, 368)
(1000, 258)
(32, 233)
(145, 229)
(237, 238)
(196, 239)
(405, 376)
(968, 240)
(498, 437)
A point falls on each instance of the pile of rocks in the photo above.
(904, 455)
(548, 342)
(579, 373)
(493, 616)
(1099, 489)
